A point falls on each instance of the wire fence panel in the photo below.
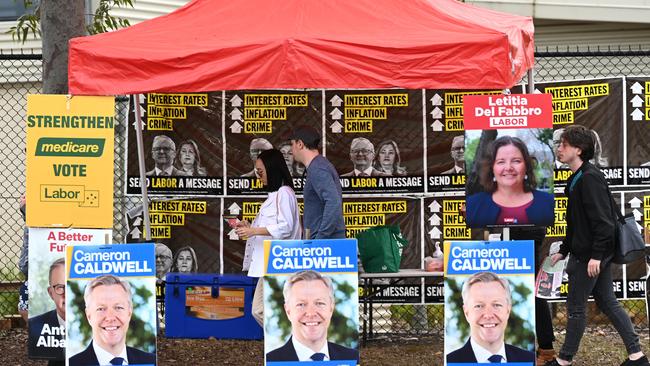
(20, 75)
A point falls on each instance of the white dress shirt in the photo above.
(482, 354)
(304, 353)
(104, 357)
(168, 171)
(367, 171)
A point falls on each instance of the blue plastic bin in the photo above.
(210, 305)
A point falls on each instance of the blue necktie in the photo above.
(318, 356)
(117, 361)
(495, 358)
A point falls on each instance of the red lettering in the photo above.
(54, 247)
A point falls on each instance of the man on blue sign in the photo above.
(309, 305)
(47, 331)
(108, 310)
(487, 304)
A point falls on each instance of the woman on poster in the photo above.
(509, 195)
(285, 149)
(278, 218)
(388, 159)
(189, 159)
(185, 261)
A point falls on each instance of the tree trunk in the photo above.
(61, 20)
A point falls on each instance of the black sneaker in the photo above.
(643, 361)
(553, 362)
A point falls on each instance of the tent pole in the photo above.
(531, 80)
(143, 178)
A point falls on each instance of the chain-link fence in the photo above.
(20, 75)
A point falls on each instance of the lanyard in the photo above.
(575, 180)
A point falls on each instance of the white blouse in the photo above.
(279, 214)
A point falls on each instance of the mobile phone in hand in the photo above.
(232, 220)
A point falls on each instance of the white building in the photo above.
(582, 23)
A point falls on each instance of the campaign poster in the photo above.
(183, 144)
(70, 161)
(384, 292)
(598, 105)
(360, 214)
(445, 135)
(509, 177)
(444, 219)
(311, 304)
(185, 232)
(637, 117)
(375, 139)
(46, 284)
(234, 247)
(258, 120)
(558, 229)
(111, 304)
(630, 279)
(388, 293)
(489, 302)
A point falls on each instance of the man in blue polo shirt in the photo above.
(323, 212)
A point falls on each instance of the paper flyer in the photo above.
(549, 279)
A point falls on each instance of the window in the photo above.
(13, 9)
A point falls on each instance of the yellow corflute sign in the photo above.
(70, 161)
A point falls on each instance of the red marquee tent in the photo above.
(273, 44)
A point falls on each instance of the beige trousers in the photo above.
(258, 302)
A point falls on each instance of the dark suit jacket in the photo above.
(135, 356)
(483, 211)
(374, 173)
(453, 171)
(288, 353)
(175, 172)
(35, 328)
(513, 354)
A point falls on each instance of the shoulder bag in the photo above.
(629, 245)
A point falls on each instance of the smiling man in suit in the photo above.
(362, 155)
(487, 304)
(47, 331)
(108, 310)
(163, 152)
(309, 305)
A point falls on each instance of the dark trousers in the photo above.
(580, 286)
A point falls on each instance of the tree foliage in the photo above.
(102, 20)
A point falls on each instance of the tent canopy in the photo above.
(212, 45)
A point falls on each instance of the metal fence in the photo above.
(20, 75)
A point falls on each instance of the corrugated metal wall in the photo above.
(147, 9)
(142, 10)
(591, 34)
